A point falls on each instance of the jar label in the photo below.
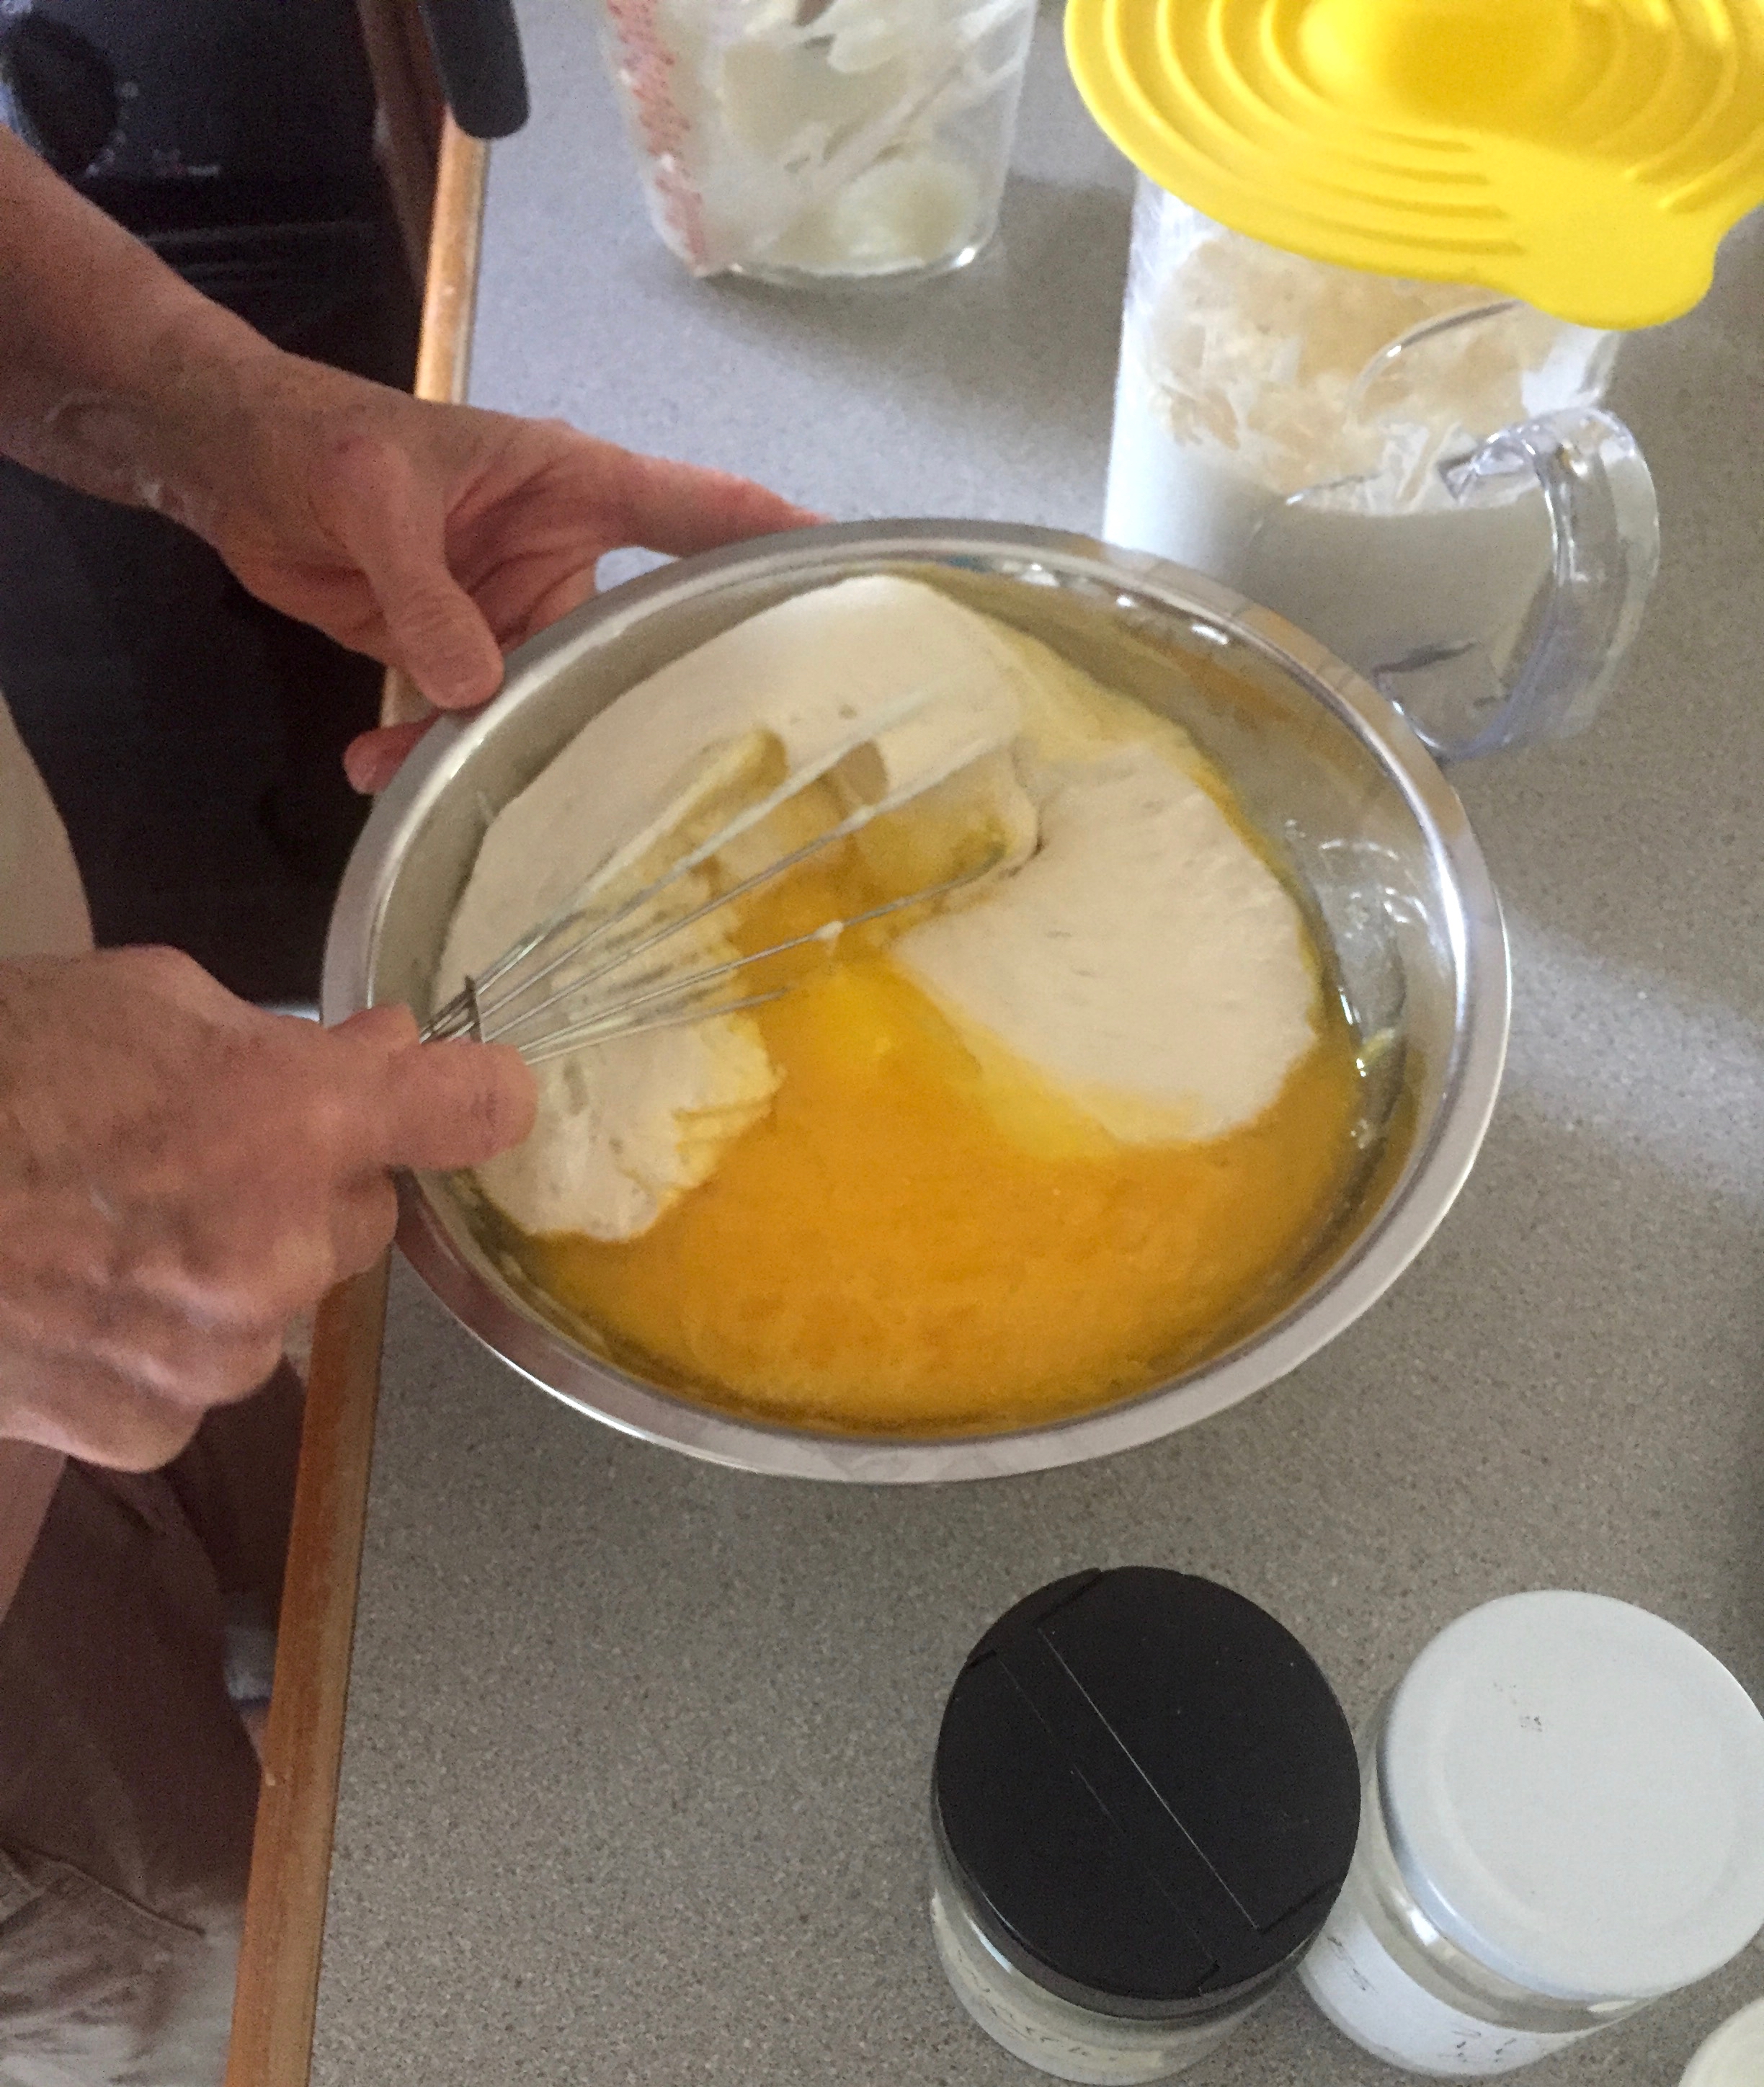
(1369, 1997)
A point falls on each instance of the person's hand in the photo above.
(181, 1174)
(435, 538)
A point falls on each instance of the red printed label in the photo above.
(646, 69)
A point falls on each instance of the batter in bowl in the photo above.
(1025, 1155)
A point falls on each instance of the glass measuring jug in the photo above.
(820, 141)
(1421, 476)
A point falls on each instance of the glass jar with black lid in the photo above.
(1145, 1797)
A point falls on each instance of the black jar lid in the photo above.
(1147, 1790)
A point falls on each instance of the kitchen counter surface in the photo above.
(634, 1785)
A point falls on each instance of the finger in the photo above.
(394, 525)
(365, 1218)
(387, 1029)
(520, 604)
(456, 1104)
(209, 1370)
(100, 1369)
(171, 974)
(681, 508)
(85, 1410)
(243, 1264)
(373, 759)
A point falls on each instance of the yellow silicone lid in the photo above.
(1586, 156)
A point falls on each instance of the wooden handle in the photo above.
(408, 118)
(449, 303)
(284, 1924)
(276, 1999)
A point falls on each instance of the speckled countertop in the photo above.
(634, 1784)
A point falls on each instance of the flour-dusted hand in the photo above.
(179, 1174)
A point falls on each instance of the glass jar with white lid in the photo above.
(1563, 1819)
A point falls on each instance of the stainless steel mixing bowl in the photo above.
(1370, 831)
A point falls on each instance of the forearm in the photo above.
(115, 376)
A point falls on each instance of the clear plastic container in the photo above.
(820, 141)
(1421, 475)
(1563, 1819)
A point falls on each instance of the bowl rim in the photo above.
(1434, 1172)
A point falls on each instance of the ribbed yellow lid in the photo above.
(1584, 155)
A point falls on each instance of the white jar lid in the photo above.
(1574, 1792)
(1734, 2055)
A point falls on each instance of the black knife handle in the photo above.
(477, 50)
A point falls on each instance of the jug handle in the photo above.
(1604, 551)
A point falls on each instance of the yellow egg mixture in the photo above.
(925, 1234)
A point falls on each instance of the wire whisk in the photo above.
(611, 961)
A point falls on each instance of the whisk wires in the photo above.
(571, 982)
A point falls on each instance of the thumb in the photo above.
(393, 523)
(455, 1104)
(373, 759)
